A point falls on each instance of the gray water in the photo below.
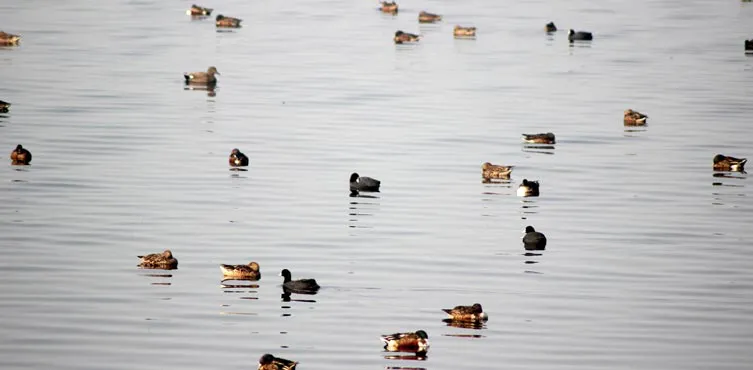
(648, 264)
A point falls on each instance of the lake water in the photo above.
(649, 261)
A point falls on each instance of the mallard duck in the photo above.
(749, 46)
(492, 171)
(467, 313)
(580, 35)
(547, 138)
(403, 37)
(358, 183)
(426, 17)
(198, 10)
(528, 188)
(635, 118)
(388, 7)
(269, 362)
(250, 271)
(534, 240)
(9, 38)
(550, 27)
(4, 106)
(237, 159)
(20, 155)
(460, 31)
(726, 163)
(228, 22)
(302, 285)
(202, 78)
(164, 261)
(417, 342)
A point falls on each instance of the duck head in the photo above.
(353, 177)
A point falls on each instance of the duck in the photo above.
(403, 37)
(579, 36)
(302, 285)
(467, 313)
(550, 27)
(358, 183)
(749, 46)
(237, 159)
(198, 10)
(426, 17)
(270, 362)
(460, 31)
(4, 106)
(534, 240)
(163, 261)
(229, 22)
(9, 38)
(635, 118)
(727, 163)
(417, 342)
(202, 78)
(20, 155)
(547, 138)
(492, 171)
(528, 188)
(388, 7)
(250, 271)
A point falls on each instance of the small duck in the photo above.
(460, 31)
(547, 138)
(198, 10)
(358, 183)
(237, 159)
(228, 22)
(534, 240)
(417, 342)
(726, 163)
(9, 38)
(467, 313)
(302, 285)
(4, 106)
(403, 37)
(388, 7)
(550, 27)
(20, 156)
(426, 17)
(749, 46)
(635, 118)
(492, 171)
(202, 78)
(579, 36)
(163, 261)
(250, 271)
(269, 362)
(528, 188)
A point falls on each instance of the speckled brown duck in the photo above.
(163, 261)
(20, 156)
(404, 37)
(388, 7)
(270, 362)
(460, 31)
(467, 313)
(4, 106)
(492, 171)
(727, 163)
(546, 138)
(199, 11)
(426, 17)
(237, 159)
(9, 39)
(634, 118)
(202, 78)
(249, 271)
(417, 342)
(227, 22)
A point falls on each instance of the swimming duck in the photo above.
(9, 38)
(635, 118)
(749, 46)
(726, 163)
(358, 183)
(250, 271)
(269, 362)
(417, 342)
(20, 155)
(198, 10)
(230, 22)
(528, 188)
(202, 78)
(426, 17)
(4, 106)
(580, 35)
(460, 31)
(388, 7)
(547, 138)
(467, 313)
(492, 171)
(164, 261)
(237, 159)
(302, 285)
(550, 27)
(402, 37)
(534, 240)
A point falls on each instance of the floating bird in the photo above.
(4, 106)
(163, 261)
(269, 362)
(550, 27)
(460, 31)
(237, 159)
(528, 189)
(403, 37)
(198, 10)
(426, 17)
(202, 78)
(358, 183)
(547, 138)
(302, 285)
(227, 22)
(388, 7)
(467, 313)
(534, 240)
(749, 46)
(417, 342)
(250, 271)
(726, 163)
(9, 38)
(635, 118)
(492, 171)
(579, 36)
(20, 156)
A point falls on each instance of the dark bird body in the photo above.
(528, 188)
(20, 156)
(237, 159)
(579, 36)
(298, 286)
(534, 240)
(358, 183)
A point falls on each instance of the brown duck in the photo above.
(199, 11)
(460, 31)
(403, 37)
(388, 7)
(202, 78)
(426, 17)
(492, 171)
(727, 163)
(550, 27)
(4, 106)
(163, 261)
(250, 271)
(634, 118)
(237, 159)
(467, 313)
(270, 362)
(9, 38)
(20, 156)
(227, 22)
(547, 138)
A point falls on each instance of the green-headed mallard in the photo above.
(250, 271)
(403, 37)
(4, 106)
(550, 27)
(202, 78)
(9, 38)
(528, 188)
(199, 11)
(296, 286)
(467, 313)
(547, 138)
(163, 261)
(534, 240)
(237, 159)
(634, 118)
(426, 17)
(417, 342)
(388, 7)
(20, 156)
(358, 183)
(270, 362)
(579, 36)
(726, 163)
(227, 22)
(460, 31)
(492, 171)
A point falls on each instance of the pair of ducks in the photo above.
(9, 39)
(220, 21)
(572, 35)
(459, 31)
(491, 171)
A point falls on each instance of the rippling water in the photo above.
(649, 259)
